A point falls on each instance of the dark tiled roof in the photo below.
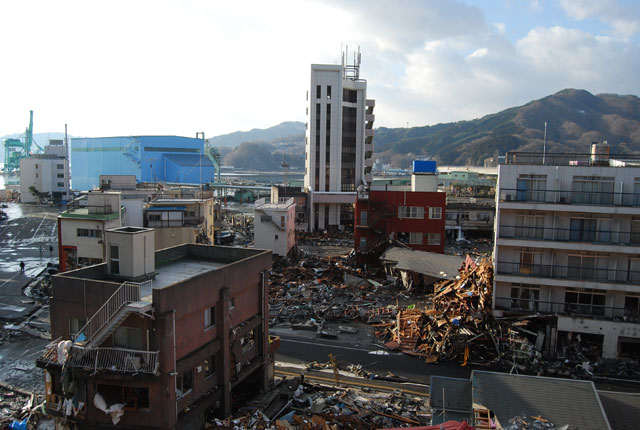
(561, 401)
(623, 409)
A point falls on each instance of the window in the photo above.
(318, 91)
(433, 239)
(36, 175)
(584, 301)
(115, 259)
(60, 184)
(464, 216)
(328, 91)
(634, 270)
(411, 212)
(635, 230)
(483, 216)
(363, 243)
(232, 303)
(60, 166)
(75, 324)
(276, 237)
(60, 175)
(133, 398)
(632, 305)
(592, 190)
(435, 212)
(531, 188)
(247, 341)
(184, 383)
(191, 214)
(36, 165)
(128, 337)
(154, 217)
(210, 366)
(588, 266)
(530, 263)
(210, 317)
(350, 96)
(363, 217)
(282, 221)
(525, 297)
(529, 225)
(415, 238)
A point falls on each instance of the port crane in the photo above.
(17, 149)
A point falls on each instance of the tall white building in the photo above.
(48, 173)
(339, 143)
(567, 250)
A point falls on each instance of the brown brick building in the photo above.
(160, 337)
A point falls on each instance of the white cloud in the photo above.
(624, 19)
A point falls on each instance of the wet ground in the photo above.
(26, 236)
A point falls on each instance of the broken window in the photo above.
(75, 324)
(209, 317)
(584, 301)
(525, 297)
(530, 263)
(184, 383)
(210, 366)
(247, 341)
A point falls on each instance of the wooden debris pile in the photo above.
(458, 322)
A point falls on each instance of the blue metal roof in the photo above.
(166, 208)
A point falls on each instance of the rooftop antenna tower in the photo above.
(352, 71)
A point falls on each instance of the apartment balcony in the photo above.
(595, 311)
(368, 162)
(567, 238)
(369, 117)
(568, 197)
(368, 132)
(570, 273)
(368, 150)
(103, 359)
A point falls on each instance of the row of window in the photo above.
(87, 232)
(417, 238)
(417, 212)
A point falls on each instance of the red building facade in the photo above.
(415, 218)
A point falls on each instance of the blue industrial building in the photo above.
(149, 158)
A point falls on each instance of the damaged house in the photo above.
(152, 340)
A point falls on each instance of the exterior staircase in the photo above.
(124, 301)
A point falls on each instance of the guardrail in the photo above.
(570, 235)
(583, 273)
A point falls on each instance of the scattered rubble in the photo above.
(20, 409)
(531, 423)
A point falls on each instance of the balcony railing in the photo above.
(587, 309)
(600, 198)
(166, 223)
(568, 272)
(107, 359)
(570, 235)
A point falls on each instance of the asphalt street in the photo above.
(25, 236)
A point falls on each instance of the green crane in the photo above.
(15, 149)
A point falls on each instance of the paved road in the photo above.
(25, 236)
(303, 347)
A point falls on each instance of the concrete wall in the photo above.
(135, 251)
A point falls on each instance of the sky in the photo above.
(138, 67)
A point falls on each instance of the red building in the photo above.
(415, 218)
(154, 339)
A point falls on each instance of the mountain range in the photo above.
(574, 118)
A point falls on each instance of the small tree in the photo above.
(42, 197)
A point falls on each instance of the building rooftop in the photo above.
(178, 271)
(283, 203)
(603, 159)
(83, 213)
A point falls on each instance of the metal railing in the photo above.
(572, 159)
(128, 292)
(107, 359)
(570, 235)
(583, 273)
(600, 198)
(581, 309)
